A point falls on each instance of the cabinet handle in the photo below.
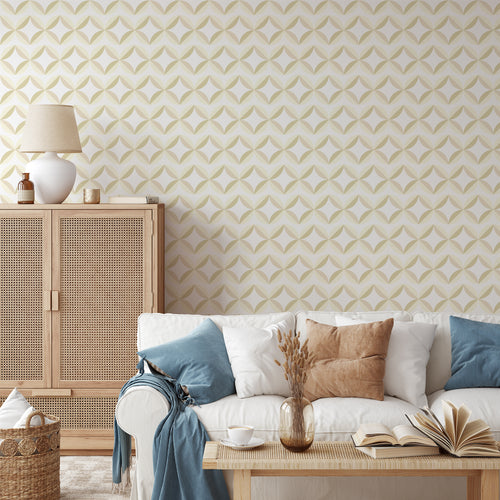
(55, 300)
(51, 392)
(151, 298)
(47, 300)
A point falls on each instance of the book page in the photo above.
(450, 418)
(475, 431)
(430, 429)
(372, 433)
(407, 434)
(431, 415)
(456, 422)
(479, 450)
(375, 429)
(463, 416)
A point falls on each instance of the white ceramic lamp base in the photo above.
(53, 178)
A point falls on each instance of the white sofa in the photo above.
(140, 410)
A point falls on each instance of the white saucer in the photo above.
(253, 443)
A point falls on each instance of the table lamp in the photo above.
(51, 129)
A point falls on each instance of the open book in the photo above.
(380, 435)
(378, 441)
(457, 435)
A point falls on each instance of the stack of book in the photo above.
(426, 435)
(378, 441)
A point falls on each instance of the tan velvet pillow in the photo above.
(350, 360)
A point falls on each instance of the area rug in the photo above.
(87, 478)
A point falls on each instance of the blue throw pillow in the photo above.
(475, 354)
(198, 361)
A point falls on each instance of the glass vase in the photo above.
(296, 424)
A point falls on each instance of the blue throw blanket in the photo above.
(178, 448)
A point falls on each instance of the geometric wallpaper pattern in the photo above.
(335, 155)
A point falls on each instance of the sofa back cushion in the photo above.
(156, 328)
(475, 354)
(350, 360)
(407, 358)
(252, 352)
(328, 318)
(197, 361)
(439, 366)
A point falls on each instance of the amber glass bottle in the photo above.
(25, 190)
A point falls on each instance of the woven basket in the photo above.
(29, 461)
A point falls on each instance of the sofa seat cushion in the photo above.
(337, 418)
(483, 402)
(262, 412)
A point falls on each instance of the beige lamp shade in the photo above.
(51, 127)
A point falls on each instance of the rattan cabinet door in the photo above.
(25, 284)
(102, 281)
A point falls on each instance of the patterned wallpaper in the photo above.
(311, 154)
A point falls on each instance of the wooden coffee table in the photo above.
(342, 459)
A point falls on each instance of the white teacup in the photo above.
(240, 434)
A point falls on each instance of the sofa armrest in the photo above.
(138, 413)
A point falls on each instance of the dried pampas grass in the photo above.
(298, 361)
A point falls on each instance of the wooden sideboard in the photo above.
(73, 280)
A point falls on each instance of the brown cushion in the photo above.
(350, 360)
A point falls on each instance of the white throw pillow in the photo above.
(252, 352)
(407, 356)
(35, 421)
(13, 409)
